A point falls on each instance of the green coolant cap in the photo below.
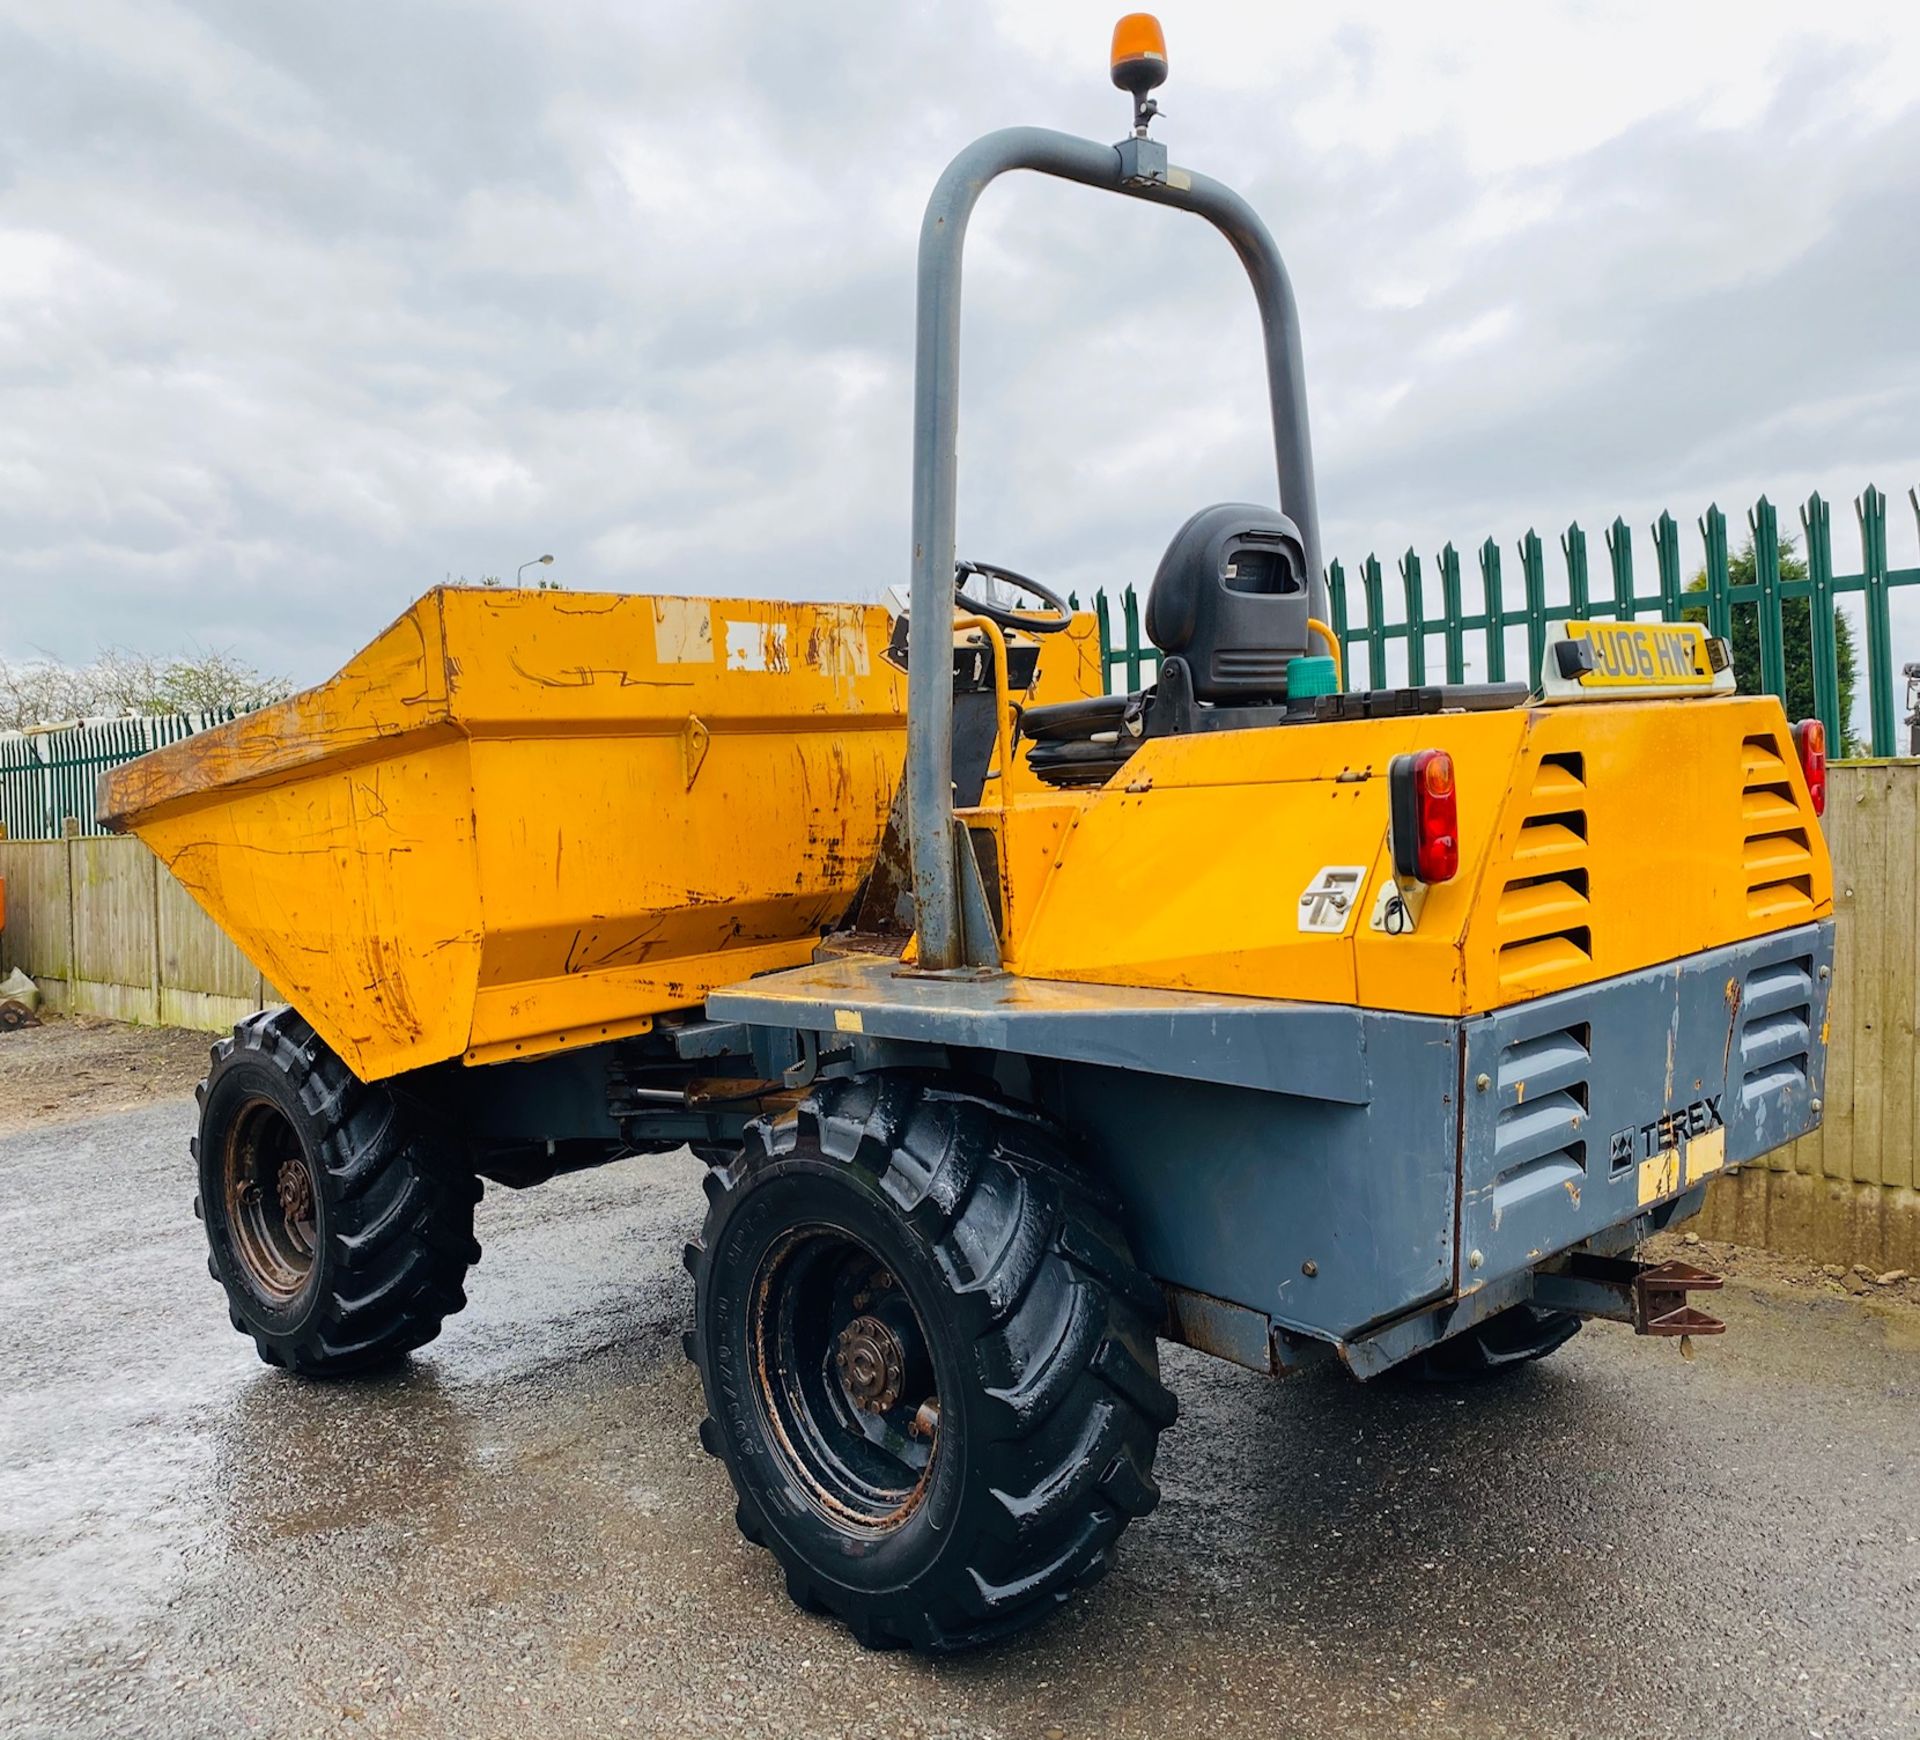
(1309, 675)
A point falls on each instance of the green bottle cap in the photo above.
(1309, 675)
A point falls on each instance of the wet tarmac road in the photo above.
(518, 1536)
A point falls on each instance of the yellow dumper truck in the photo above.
(1019, 1026)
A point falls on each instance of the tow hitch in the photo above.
(1650, 1296)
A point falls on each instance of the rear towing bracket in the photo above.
(1650, 1296)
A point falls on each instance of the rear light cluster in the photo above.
(1426, 816)
(1810, 741)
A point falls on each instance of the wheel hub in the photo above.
(272, 1206)
(872, 1364)
(295, 1185)
(842, 1362)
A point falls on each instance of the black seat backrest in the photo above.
(1230, 598)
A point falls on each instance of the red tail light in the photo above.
(1426, 816)
(1810, 739)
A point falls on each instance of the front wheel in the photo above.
(928, 1361)
(339, 1226)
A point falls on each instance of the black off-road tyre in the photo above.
(340, 1228)
(980, 1276)
(1505, 1343)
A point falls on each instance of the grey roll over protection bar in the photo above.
(1138, 167)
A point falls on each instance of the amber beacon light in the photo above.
(1140, 62)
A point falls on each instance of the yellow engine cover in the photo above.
(1595, 840)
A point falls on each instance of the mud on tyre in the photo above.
(339, 1226)
(928, 1360)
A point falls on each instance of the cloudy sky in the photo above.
(304, 308)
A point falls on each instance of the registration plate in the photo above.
(1621, 660)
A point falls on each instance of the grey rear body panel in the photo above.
(1339, 1170)
(1578, 1085)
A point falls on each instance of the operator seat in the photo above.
(1230, 598)
(1228, 609)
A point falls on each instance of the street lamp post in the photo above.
(538, 561)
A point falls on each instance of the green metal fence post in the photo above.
(1416, 618)
(1573, 548)
(1450, 604)
(1376, 622)
(1871, 509)
(1666, 557)
(1533, 567)
(1713, 528)
(1496, 612)
(1764, 523)
(1342, 633)
(1620, 556)
(1104, 614)
(1130, 612)
(1816, 521)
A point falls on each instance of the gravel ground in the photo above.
(76, 1066)
(518, 1536)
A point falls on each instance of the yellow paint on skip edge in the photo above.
(848, 1021)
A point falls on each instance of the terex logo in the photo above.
(1668, 1131)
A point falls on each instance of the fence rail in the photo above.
(1364, 623)
(47, 777)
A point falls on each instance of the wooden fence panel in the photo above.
(36, 938)
(113, 927)
(104, 930)
(205, 981)
(1847, 1193)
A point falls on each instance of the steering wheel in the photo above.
(1060, 616)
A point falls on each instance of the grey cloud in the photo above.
(346, 299)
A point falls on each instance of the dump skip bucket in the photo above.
(521, 821)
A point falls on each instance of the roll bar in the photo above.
(1138, 167)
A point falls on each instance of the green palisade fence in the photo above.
(1364, 626)
(48, 777)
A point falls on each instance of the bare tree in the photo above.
(117, 683)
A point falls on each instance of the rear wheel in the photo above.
(339, 1228)
(928, 1361)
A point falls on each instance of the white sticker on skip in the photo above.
(683, 631)
(756, 646)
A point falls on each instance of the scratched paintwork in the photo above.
(525, 820)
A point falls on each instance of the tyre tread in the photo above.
(1071, 1406)
(401, 1209)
